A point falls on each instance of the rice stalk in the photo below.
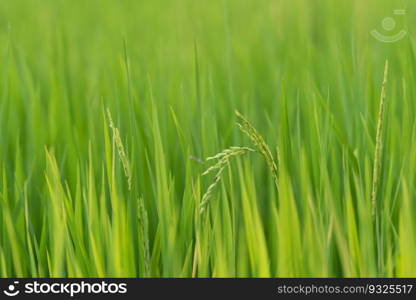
(379, 143)
(120, 149)
(144, 233)
(258, 141)
(223, 160)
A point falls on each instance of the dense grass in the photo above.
(108, 110)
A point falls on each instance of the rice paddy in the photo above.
(221, 138)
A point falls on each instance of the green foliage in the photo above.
(108, 110)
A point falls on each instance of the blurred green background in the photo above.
(306, 73)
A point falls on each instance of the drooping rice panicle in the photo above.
(223, 160)
(120, 149)
(258, 141)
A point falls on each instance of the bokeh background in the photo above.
(306, 73)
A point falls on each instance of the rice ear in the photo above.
(120, 149)
(258, 141)
(223, 160)
(379, 143)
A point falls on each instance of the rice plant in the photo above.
(223, 161)
(108, 110)
(379, 142)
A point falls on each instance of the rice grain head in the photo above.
(144, 232)
(379, 143)
(223, 160)
(120, 149)
(258, 141)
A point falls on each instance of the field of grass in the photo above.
(109, 110)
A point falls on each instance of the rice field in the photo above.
(221, 138)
